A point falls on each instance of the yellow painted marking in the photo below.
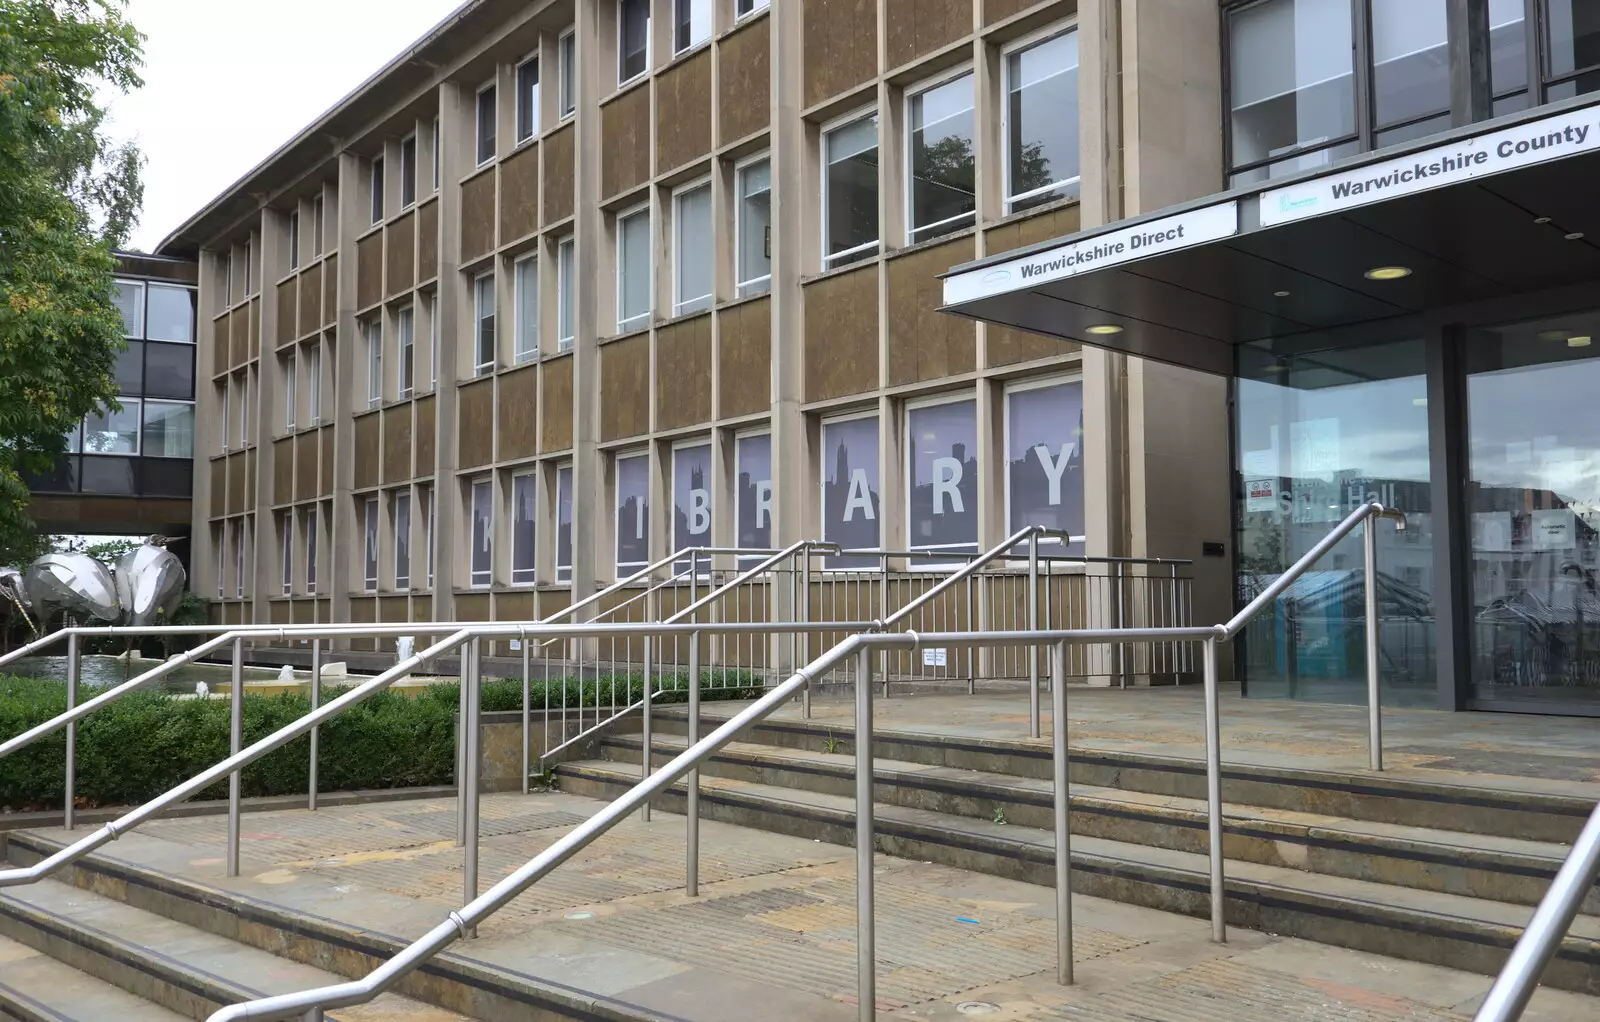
(382, 855)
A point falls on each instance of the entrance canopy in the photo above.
(1506, 207)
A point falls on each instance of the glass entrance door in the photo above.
(1534, 502)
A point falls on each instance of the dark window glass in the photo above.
(128, 295)
(129, 372)
(166, 477)
(1508, 48)
(1572, 36)
(1044, 460)
(486, 125)
(691, 23)
(524, 499)
(527, 99)
(564, 524)
(633, 514)
(408, 171)
(1041, 122)
(169, 371)
(1290, 81)
(942, 184)
(568, 70)
(109, 476)
(942, 477)
(377, 190)
(691, 499)
(753, 495)
(1410, 62)
(60, 477)
(633, 38)
(850, 192)
(171, 316)
(851, 507)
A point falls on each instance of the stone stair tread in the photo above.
(1552, 853)
(39, 987)
(214, 959)
(1380, 897)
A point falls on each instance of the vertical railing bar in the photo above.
(235, 743)
(69, 809)
(866, 901)
(1063, 812)
(316, 737)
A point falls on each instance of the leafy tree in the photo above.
(68, 197)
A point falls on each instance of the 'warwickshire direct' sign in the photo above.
(1153, 237)
(1550, 138)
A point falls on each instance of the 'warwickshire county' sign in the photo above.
(1153, 237)
(1549, 138)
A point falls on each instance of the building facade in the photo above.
(569, 286)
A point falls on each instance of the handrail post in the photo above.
(316, 700)
(69, 809)
(527, 709)
(1374, 686)
(1219, 932)
(883, 615)
(692, 778)
(473, 682)
(1033, 626)
(1063, 810)
(805, 637)
(235, 743)
(866, 901)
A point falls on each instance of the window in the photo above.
(691, 499)
(1572, 45)
(940, 177)
(286, 543)
(564, 523)
(218, 537)
(168, 429)
(691, 23)
(427, 530)
(1039, 122)
(743, 7)
(633, 270)
(408, 172)
(942, 477)
(316, 225)
(566, 298)
(1291, 86)
(374, 342)
(633, 39)
(170, 316)
(311, 549)
(850, 488)
(633, 514)
(480, 563)
(850, 192)
(168, 369)
(377, 190)
(242, 383)
(524, 501)
(222, 392)
(402, 540)
(753, 228)
(525, 296)
(370, 545)
(752, 494)
(1044, 450)
(314, 382)
(567, 70)
(238, 557)
(435, 146)
(486, 125)
(290, 398)
(405, 338)
(249, 252)
(294, 239)
(129, 299)
(433, 340)
(225, 267)
(691, 228)
(483, 323)
(527, 99)
(113, 432)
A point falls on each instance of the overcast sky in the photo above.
(227, 82)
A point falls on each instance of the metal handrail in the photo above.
(1509, 995)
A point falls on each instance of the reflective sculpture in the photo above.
(75, 583)
(150, 582)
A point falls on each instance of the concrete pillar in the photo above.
(587, 478)
(456, 113)
(268, 566)
(790, 203)
(350, 216)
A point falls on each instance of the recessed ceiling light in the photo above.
(1575, 236)
(1388, 272)
(1541, 219)
(1105, 329)
(1578, 342)
(1275, 369)
(1552, 335)
(1280, 294)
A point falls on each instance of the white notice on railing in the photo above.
(934, 657)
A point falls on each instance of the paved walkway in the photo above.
(773, 934)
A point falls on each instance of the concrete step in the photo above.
(1427, 926)
(185, 971)
(36, 988)
(1473, 865)
(1373, 797)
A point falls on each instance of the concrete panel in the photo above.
(558, 170)
(400, 241)
(425, 435)
(287, 293)
(428, 242)
(472, 607)
(625, 387)
(305, 466)
(218, 505)
(683, 102)
(999, 10)
(250, 477)
(841, 344)
(1007, 345)
(237, 491)
(841, 46)
(365, 461)
(916, 27)
(518, 412)
(310, 301)
(625, 142)
(303, 612)
(221, 351)
(744, 341)
(555, 413)
(925, 344)
(519, 194)
(279, 612)
(683, 373)
(369, 271)
(477, 216)
(283, 471)
(363, 610)
(397, 443)
(745, 85)
(515, 606)
(475, 426)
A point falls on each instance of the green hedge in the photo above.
(147, 742)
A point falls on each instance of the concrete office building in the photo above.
(566, 287)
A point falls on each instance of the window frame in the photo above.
(625, 80)
(401, 538)
(370, 533)
(478, 138)
(1019, 386)
(372, 335)
(144, 307)
(375, 184)
(519, 356)
(838, 260)
(408, 173)
(287, 543)
(435, 160)
(533, 108)
(564, 572)
(680, 305)
(623, 325)
(1027, 42)
(528, 576)
(566, 268)
(426, 495)
(677, 20)
(739, 168)
(708, 441)
(957, 557)
(480, 579)
(311, 515)
(617, 458)
(755, 5)
(239, 538)
(479, 366)
(292, 229)
(405, 338)
(926, 85)
(739, 436)
(567, 73)
(291, 388)
(831, 563)
(314, 383)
